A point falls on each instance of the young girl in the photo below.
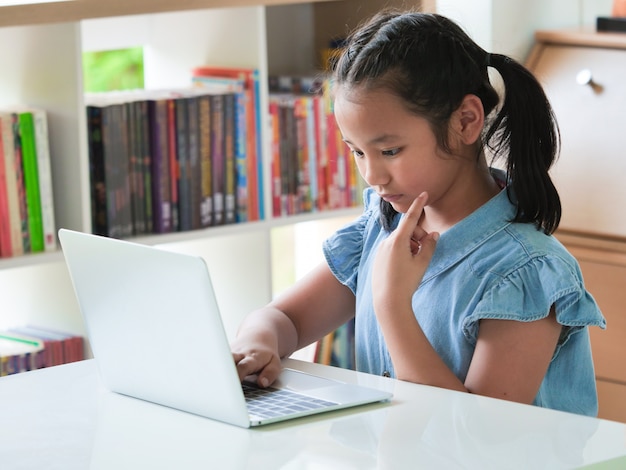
(451, 272)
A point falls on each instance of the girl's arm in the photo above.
(510, 359)
(311, 308)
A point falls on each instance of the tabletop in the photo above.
(62, 417)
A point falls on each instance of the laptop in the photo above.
(156, 334)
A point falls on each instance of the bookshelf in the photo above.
(42, 66)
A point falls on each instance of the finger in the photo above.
(269, 373)
(247, 365)
(412, 216)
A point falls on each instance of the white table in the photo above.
(62, 418)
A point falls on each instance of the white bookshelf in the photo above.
(41, 47)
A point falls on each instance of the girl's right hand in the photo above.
(256, 361)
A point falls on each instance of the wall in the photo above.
(507, 26)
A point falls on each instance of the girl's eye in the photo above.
(356, 153)
(391, 152)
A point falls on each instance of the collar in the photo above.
(470, 233)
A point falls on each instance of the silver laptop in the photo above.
(156, 334)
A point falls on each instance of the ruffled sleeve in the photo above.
(527, 293)
(344, 248)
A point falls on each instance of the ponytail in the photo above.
(526, 132)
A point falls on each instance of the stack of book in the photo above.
(26, 200)
(30, 347)
(312, 169)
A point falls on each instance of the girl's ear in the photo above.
(468, 120)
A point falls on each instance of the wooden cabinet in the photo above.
(584, 75)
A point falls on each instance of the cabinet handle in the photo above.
(585, 77)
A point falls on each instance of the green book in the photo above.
(31, 180)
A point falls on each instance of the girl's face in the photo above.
(395, 151)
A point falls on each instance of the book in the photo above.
(117, 174)
(44, 172)
(195, 170)
(230, 151)
(218, 158)
(275, 178)
(184, 168)
(173, 164)
(5, 224)
(19, 178)
(26, 129)
(204, 122)
(160, 165)
(97, 174)
(135, 167)
(14, 221)
(146, 162)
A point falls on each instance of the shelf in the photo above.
(34, 259)
(76, 10)
(587, 36)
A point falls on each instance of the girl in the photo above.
(451, 272)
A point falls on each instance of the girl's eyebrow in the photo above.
(377, 140)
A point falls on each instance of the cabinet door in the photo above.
(607, 283)
(591, 171)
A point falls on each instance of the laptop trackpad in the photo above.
(301, 381)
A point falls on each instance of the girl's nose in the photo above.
(373, 171)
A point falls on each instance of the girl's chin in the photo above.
(399, 207)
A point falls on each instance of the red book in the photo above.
(5, 226)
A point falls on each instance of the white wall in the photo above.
(507, 26)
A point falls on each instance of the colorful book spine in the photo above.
(46, 195)
(14, 221)
(6, 249)
(161, 214)
(173, 164)
(230, 151)
(204, 121)
(241, 160)
(184, 168)
(26, 129)
(218, 158)
(195, 171)
(19, 178)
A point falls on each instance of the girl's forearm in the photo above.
(414, 359)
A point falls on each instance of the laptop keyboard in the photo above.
(273, 403)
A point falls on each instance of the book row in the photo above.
(173, 160)
(26, 200)
(312, 169)
(30, 347)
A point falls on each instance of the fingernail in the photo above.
(263, 382)
(436, 236)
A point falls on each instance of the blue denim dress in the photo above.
(483, 267)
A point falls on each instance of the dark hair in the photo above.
(432, 64)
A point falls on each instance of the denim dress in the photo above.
(487, 267)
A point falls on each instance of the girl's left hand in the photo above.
(402, 259)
